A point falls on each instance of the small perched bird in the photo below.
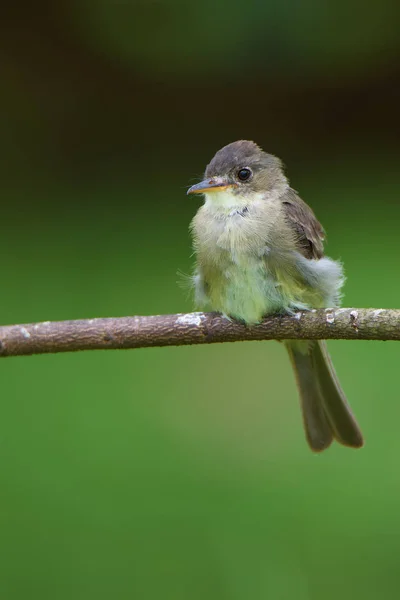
(259, 251)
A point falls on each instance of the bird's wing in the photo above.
(309, 232)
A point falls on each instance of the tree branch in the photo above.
(195, 328)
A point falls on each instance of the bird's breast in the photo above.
(231, 258)
(237, 233)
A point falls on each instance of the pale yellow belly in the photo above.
(243, 292)
(251, 290)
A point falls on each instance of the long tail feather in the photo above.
(326, 412)
(316, 425)
(344, 425)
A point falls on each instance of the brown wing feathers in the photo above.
(309, 231)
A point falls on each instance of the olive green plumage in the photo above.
(259, 250)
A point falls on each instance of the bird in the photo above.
(259, 251)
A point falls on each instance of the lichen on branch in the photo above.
(195, 328)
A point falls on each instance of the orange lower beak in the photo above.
(210, 185)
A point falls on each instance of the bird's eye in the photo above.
(244, 174)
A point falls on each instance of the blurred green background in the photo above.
(172, 473)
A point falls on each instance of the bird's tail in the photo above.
(326, 413)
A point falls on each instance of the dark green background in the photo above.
(183, 473)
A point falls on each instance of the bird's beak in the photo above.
(216, 184)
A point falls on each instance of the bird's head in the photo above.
(238, 173)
